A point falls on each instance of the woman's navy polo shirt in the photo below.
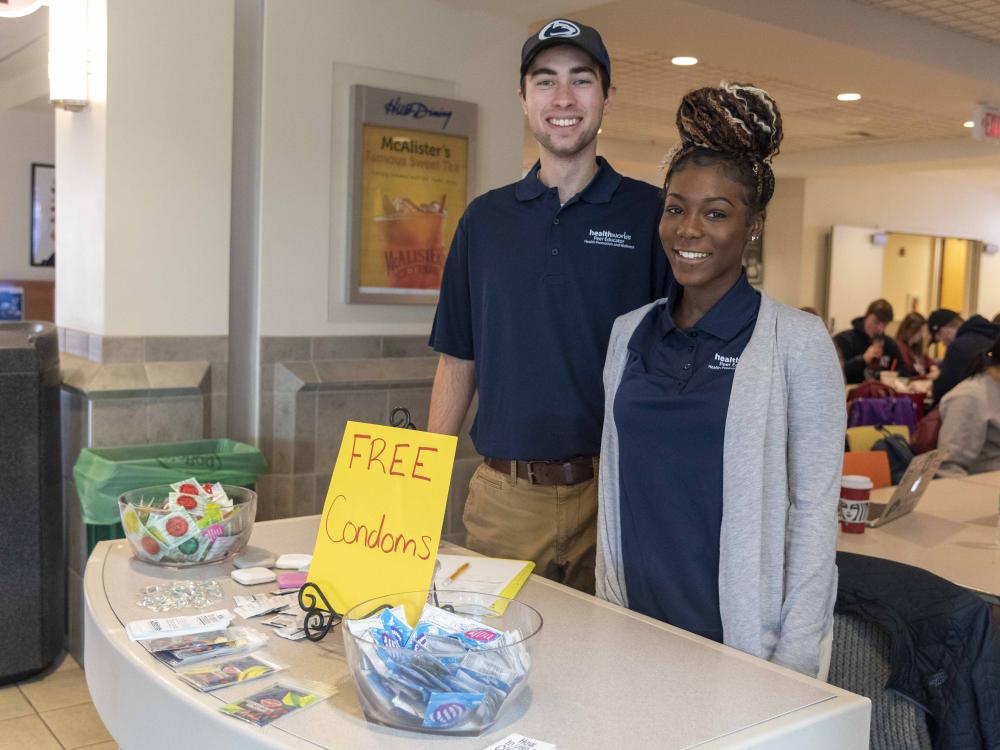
(670, 410)
(530, 292)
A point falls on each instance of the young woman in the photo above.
(969, 440)
(724, 416)
(912, 339)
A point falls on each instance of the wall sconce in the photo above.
(68, 54)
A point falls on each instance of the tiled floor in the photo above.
(51, 711)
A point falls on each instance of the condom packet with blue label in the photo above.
(451, 710)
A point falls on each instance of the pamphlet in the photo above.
(280, 699)
(225, 673)
(144, 630)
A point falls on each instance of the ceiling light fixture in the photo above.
(684, 60)
(848, 97)
(968, 124)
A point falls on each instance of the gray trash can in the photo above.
(32, 542)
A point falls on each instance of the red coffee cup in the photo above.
(855, 494)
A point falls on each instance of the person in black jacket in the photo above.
(865, 347)
(972, 339)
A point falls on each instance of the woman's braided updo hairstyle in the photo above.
(735, 125)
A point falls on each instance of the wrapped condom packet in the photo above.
(451, 710)
(391, 631)
(174, 528)
(467, 629)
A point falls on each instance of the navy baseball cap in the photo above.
(564, 31)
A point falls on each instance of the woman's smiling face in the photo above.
(705, 227)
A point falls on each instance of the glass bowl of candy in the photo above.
(188, 523)
(450, 668)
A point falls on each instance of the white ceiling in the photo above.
(24, 51)
(977, 18)
(921, 65)
(919, 80)
(649, 88)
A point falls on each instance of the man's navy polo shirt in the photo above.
(670, 410)
(530, 292)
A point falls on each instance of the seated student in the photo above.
(724, 416)
(969, 441)
(966, 342)
(912, 338)
(865, 347)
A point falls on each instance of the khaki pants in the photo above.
(554, 525)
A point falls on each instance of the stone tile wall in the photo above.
(128, 391)
(310, 389)
(131, 390)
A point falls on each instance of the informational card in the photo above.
(520, 742)
(381, 523)
(280, 699)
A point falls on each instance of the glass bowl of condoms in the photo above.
(451, 668)
(188, 523)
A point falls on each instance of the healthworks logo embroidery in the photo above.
(720, 362)
(609, 239)
(559, 28)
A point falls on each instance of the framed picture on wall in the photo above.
(411, 172)
(11, 303)
(43, 215)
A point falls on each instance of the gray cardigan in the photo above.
(782, 461)
(969, 441)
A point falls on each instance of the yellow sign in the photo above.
(382, 519)
(414, 190)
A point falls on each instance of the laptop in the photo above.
(918, 475)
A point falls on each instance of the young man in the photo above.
(536, 275)
(865, 347)
(966, 340)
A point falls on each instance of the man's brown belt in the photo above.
(574, 471)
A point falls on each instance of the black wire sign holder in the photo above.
(321, 617)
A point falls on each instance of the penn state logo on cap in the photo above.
(558, 29)
(564, 31)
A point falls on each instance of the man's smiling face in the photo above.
(563, 99)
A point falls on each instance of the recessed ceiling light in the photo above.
(600, 130)
(684, 60)
(848, 97)
(968, 124)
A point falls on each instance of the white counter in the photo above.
(604, 677)
(952, 533)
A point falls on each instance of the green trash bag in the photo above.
(102, 474)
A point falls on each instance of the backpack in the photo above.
(925, 438)
(879, 411)
(899, 452)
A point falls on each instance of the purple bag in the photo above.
(879, 411)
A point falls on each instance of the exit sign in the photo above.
(987, 125)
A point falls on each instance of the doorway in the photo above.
(914, 272)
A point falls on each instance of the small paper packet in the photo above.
(174, 528)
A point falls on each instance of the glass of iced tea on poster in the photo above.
(411, 238)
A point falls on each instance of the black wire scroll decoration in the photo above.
(319, 619)
(400, 417)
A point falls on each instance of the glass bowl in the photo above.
(432, 683)
(183, 539)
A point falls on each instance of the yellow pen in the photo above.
(458, 572)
